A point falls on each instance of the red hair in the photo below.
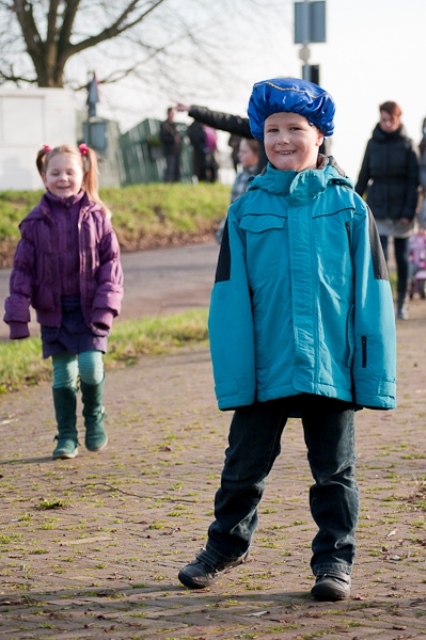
(392, 108)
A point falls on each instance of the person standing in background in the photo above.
(389, 178)
(236, 125)
(248, 156)
(197, 138)
(234, 143)
(212, 165)
(422, 175)
(171, 141)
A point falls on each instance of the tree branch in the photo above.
(67, 24)
(115, 29)
(11, 77)
(24, 14)
(52, 27)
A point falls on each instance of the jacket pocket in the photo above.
(260, 222)
(350, 335)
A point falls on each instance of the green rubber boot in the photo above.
(93, 412)
(65, 403)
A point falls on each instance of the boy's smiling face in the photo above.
(291, 143)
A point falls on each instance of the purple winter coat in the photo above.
(35, 276)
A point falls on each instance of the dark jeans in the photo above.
(172, 171)
(402, 261)
(254, 444)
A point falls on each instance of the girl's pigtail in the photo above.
(41, 157)
(91, 173)
(90, 164)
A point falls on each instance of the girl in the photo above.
(67, 266)
(248, 155)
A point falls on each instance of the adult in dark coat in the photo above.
(389, 177)
(171, 141)
(237, 125)
(197, 138)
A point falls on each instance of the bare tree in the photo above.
(53, 31)
(39, 39)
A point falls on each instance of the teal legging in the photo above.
(66, 367)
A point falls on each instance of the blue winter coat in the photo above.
(302, 301)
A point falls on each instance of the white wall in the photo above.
(30, 118)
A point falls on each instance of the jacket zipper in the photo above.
(348, 231)
(364, 351)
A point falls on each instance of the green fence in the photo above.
(142, 157)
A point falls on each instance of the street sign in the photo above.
(309, 22)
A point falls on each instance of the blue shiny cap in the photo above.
(290, 95)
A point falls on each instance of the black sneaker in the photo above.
(336, 586)
(198, 574)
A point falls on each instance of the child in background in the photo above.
(417, 262)
(67, 266)
(301, 324)
(248, 155)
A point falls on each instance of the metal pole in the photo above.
(306, 72)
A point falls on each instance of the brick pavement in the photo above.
(90, 548)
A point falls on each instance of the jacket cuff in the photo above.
(102, 317)
(18, 330)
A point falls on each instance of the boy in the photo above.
(301, 324)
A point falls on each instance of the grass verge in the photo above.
(144, 216)
(21, 363)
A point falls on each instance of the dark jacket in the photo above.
(227, 122)
(35, 277)
(170, 138)
(390, 175)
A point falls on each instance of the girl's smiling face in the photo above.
(64, 175)
(291, 143)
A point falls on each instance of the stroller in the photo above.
(417, 264)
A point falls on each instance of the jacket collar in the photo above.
(69, 202)
(382, 136)
(304, 185)
(49, 201)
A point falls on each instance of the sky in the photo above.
(375, 50)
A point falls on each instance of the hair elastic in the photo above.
(83, 149)
(47, 148)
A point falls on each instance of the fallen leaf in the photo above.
(258, 613)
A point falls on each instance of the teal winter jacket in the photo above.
(302, 301)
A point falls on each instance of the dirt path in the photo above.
(103, 563)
